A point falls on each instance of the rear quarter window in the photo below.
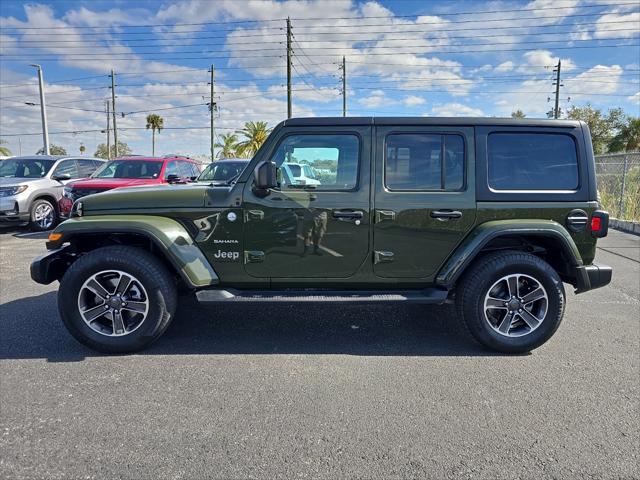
(532, 161)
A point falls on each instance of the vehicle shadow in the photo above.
(23, 232)
(31, 329)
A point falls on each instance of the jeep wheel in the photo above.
(511, 301)
(117, 299)
(43, 215)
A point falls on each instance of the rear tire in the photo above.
(492, 299)
(130, 293)
(43, 215)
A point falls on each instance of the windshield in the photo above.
(25, 167)
(222, 171)
(129, 169)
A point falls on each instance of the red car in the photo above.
(130, 172)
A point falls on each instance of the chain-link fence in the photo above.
(619, 184)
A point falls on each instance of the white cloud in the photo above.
(456, 110)
(542, 58)
(635, 98)
(601, 79)
(606, 29)
(505, 67)
(375, 99)
(413, 101)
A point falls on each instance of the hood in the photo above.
(109, 183)
(159, 198)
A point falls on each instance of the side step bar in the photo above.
(217, 296)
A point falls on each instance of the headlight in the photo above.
(66, 192)
(11, 191)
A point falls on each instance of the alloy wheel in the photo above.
(113, 303)
(516, 305)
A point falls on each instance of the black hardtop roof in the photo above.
(435, 121)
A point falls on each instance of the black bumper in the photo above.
(51, 265)
(593, 276)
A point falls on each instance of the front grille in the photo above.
(77, 193)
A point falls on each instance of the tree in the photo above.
(518, 114)
(53, 150)
(4, 151)
(255, 133)
(154, 122)
(228, 146)
(82, 149)
(628, 137)
(603, 127)
(123, 150)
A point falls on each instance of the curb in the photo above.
(625, 226)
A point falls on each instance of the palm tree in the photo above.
(255, 133)
(82, 149)
(228, 145)
(4, 151)
(154, 122)
(518, 114)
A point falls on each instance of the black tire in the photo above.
(479, 279)
(147, 270)
(33, 224)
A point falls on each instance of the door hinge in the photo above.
(385, 215)
(253, 256)
(382, 256)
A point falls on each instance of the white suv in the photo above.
(30, 187)
(299, 174)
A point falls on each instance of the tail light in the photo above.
(599, 223)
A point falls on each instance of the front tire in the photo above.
(511, 301)
(117, 299)
(42, 215)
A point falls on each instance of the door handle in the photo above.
(446, 214)
(348, 214)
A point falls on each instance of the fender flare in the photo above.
(469, 249)
(167, 234)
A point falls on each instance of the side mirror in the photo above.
(61, 177)
(173, 178)
(266, 176)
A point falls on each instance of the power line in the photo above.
(302, 19)
(87, 56)
(315, 34)
(57, 93)
(156, 43)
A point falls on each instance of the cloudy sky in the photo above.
(433, 58)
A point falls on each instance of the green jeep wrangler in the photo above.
(493, 215)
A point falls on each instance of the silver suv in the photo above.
(30, 187)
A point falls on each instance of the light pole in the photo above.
(43, 111)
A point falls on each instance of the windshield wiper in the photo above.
(229, 182)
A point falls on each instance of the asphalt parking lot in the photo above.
(320, 392)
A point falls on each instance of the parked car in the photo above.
(298, 174)
(223, 170)
(129, 172)
(492, 215)
(31, 187)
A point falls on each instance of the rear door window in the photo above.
(424, 162)
(67, 167)
(86, 167)
(532, 161)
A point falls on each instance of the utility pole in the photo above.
(344, 87)
(288, 67)
(108, 131)
(212, 108)
(556, 109)
(113, 108)
(43, 111)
